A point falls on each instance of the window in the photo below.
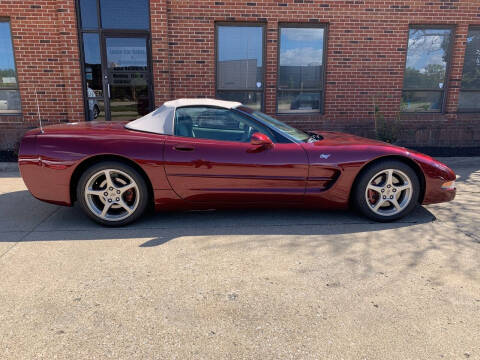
(114, 52)
(426, 70)
(88, 13)
(469, 100)
(301, 70)
(115, 14)
(93, 75)
(240, 64)
(216, 124)
(9, 94)
(125, 14)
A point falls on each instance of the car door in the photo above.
(210, 159)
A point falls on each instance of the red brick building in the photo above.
(323, 64)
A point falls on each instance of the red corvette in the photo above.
(203, 154)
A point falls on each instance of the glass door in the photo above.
(93, 70)
(116, 60)
(127, 76)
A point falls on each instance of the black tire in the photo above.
(141, 191)
(96, 111)
(366, 208)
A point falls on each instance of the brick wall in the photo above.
(46, 53)
(366, 53)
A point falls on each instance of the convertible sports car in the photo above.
(205, 154)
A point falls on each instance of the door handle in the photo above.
(183, 148)
(108, 90)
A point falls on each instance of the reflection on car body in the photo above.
(206, 153)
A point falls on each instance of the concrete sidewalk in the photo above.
(241, 284)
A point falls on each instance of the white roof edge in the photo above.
(202, 101)
(160, 121)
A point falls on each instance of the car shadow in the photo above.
(20, 212)
(366, 247)
(448, 239)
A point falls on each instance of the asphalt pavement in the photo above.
(262, 284)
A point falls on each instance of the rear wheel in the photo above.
(96, 111)
(112, 193)
(387, 191)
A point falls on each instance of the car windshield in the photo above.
(297, 134)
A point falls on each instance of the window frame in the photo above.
(263, 25)
(446, 83)
(102, 33)
(465, 110)
(273, 135)
(17, 85)
(306, 25)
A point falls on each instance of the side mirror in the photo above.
(259, 139)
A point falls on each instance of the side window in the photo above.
(469, 100)
(425, 77)
(240, 63)
(216, 124)
(9, 94)
(301, 69)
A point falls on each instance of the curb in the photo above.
(8, 167)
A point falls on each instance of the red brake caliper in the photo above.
(129, 195)
(372, 196)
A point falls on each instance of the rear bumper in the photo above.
(41, 182)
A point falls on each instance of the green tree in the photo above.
(471, 67)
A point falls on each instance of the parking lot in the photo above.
(262, 284)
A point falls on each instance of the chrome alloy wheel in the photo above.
(389, 192)
(111, 194)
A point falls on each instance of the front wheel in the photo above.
(112, 193)
(387, 191)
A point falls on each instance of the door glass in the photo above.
(93, 76)
(128, 78)
(93, 62)
(97, 107)
(215, 124)
(127, 53)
